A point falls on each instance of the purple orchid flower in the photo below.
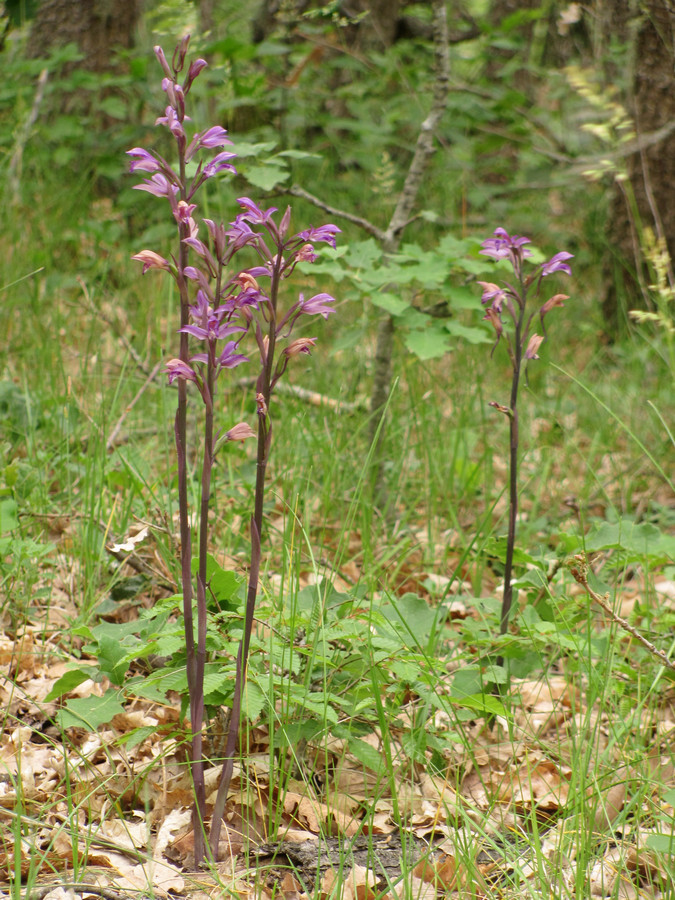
(324, 233)
(317, 305)
(506, 246)
(159, 185)
(145, 161)
(557, 264)
(252, 212)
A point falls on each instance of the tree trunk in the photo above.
(96, 26)
(378, 27)
(647, 199)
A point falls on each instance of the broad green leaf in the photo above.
(370, 757)
(254, 701)
(315, 703)
(427, 344)
(265, 177)
(483, 703)
(642, 540)
(114, 107)
(113, 659)
(363, 254)
(223, 583)
(298, 154)
(245, 149)
(661, 843)
(90, 712)
(72, 679)
(392, 303)
(464, 298)
(8, 515)
(413, 619)
(468, 333)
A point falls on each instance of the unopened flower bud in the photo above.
(556, 300)
(493, 316)
(262, 406)
(532, 346)
(159, 53)
(180, 53)
(240, 432)
(285, 222)
(502, 409)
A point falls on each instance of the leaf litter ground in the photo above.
(105, 811)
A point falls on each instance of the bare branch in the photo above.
(425, 140)
(579, 570)
(367, 225)
(116, 430)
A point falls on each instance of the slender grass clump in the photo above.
(519, 304)
(220, 304)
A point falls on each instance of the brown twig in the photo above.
(79, 887)
(579, 570)
(123, 339)
(116, 430)
(424, 149)
(366, 224)
(314, 398)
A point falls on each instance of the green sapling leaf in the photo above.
(90, 712)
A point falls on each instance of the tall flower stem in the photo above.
(508, 595)
(510, 303)
(264, 442)
(194, 656)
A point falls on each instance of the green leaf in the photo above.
(8, 515)
(298, 154)
(370, 757)
(114, 107)
(72, 679)
(661, 843)
(265, 177)
(427, 344)
(90, 712)
(413, 618)
(245, 149)
(364, 254)
(483, 703)
(113, 659)
(254, 701)
(464, 298)
(392, 303)
(223, 583)
(468, 333)
(639, 541)
(129, 588)
(315, 703)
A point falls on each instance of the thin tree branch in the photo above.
(401, 216)
(425, 139)
(366, 224)
(579, 570)
(148, 381)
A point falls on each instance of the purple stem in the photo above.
(264, 441)
(195, 682)
(508, 596)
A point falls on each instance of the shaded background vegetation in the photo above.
(558, 126)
